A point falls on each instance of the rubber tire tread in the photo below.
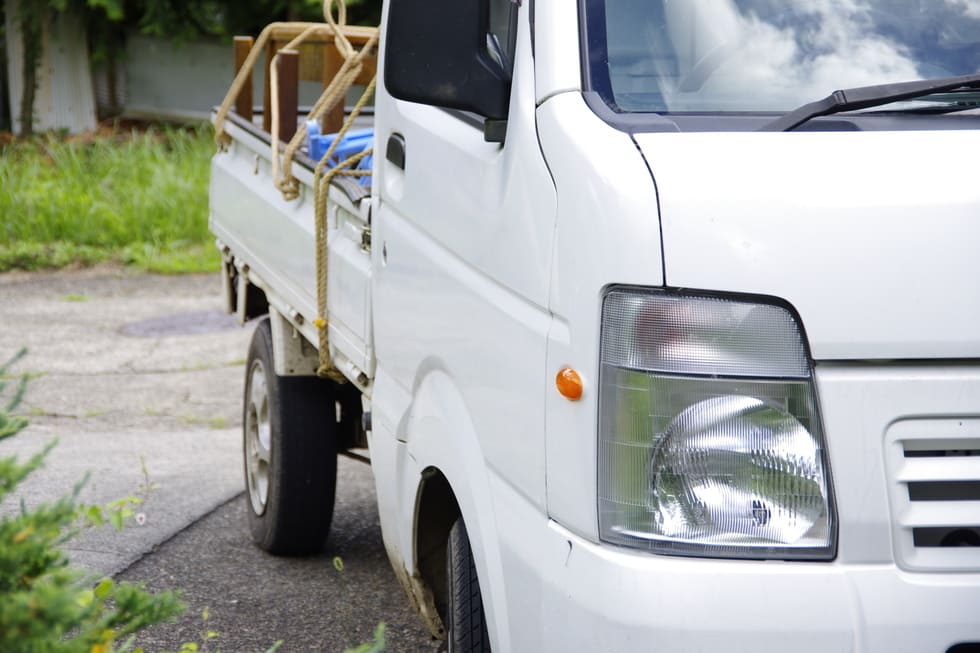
(467, 623)
(303, 459)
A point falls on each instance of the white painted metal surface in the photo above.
(463, 246)
(607, 232)
(349, 283)
(557, 57)
(272, 241)
(292, 354)
(871, 236)
(273, 237)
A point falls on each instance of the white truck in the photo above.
(651, 348)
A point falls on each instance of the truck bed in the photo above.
(270, 243)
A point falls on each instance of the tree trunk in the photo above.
(4, 83)
(27, 99)
(32, 32)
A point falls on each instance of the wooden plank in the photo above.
(369, 70)
(270, 51)
(311, 62)
(243, 103)
(288, 71)
(333, 119)
(286, 32)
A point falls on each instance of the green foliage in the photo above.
(9, 424)
(45, 607)
(377, 646)
(108, 21)
(138, 198)
(182, 19)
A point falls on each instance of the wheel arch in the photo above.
(436, 511)
(452, 480)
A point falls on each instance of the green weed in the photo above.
(217, 422)
(138, 199)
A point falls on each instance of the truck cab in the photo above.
(666, 352)
(775, 330)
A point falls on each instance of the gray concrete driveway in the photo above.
(133, 371)
(127, 369)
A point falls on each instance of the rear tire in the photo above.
(466, 627)
(289, 436)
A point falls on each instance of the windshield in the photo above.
(670, 56)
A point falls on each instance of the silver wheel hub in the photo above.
(258, 438)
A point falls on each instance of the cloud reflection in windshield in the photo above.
(773, 55)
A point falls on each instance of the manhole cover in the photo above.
(181, 324)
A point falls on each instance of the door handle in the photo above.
(395, 151)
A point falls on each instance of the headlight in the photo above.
(709, 436)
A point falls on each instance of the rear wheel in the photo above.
(289, 427)
(466, 621)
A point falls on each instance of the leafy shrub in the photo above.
(46, 607)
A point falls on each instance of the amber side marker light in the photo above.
(569, 384)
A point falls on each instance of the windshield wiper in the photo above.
(865, 97)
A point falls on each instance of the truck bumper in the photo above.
(604, 598)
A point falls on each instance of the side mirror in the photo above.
(441, 53)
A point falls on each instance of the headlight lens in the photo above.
(710, 440)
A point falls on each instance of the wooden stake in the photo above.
(243, 103)
(333, 119)
(288, 93)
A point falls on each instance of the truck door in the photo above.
(464, 232)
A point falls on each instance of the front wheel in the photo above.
(466, 620)
(289, 428)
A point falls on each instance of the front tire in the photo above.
(289, 435)
(466, 627)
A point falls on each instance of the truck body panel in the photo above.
(273, 239)
(871, 236)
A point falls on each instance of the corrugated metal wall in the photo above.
(186, 80)
(65, 99)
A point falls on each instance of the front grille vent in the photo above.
(934, 468)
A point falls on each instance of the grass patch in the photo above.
(217, 422)
(138, 198)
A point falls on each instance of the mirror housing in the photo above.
(437, 52)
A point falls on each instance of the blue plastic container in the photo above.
(354, 141)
